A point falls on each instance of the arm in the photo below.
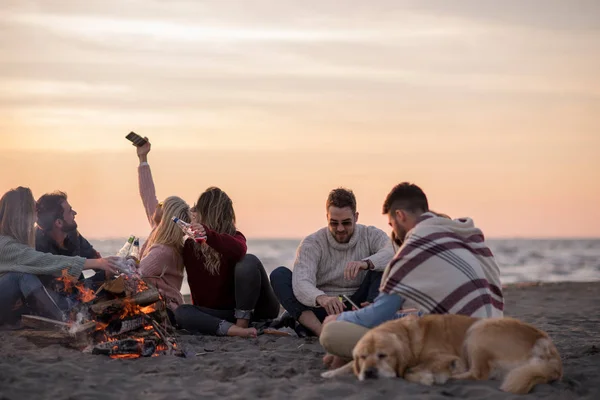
(233, 247)
(146, 183)
(383, 309)
(147, 191)
(17, 257)
(381, 245)
(304, 276)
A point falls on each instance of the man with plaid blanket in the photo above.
(443, 266)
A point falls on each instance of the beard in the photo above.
(67, 228)
(341, 237)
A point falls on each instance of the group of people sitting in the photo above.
(346, 279)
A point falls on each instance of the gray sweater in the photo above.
(321, 261)
(18, 257)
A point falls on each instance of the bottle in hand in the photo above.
(126, 247)
(187, 229)
(135, 250)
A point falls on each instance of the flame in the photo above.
(85, 294)
(148, 309)
(67, 281)
(124, 356)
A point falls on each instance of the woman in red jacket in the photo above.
(229, 287)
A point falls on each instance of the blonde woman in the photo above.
(20, 263)
(161, 262)
(229, 287)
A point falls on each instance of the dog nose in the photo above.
(371, 373)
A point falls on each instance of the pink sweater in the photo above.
(159, 257)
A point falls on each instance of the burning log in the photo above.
(145, 298)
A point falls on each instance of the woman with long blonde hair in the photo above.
(161, 262)
(229, 287)
(20, 263)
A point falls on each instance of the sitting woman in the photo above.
(20, 263)
(229, 287)
(161, 262)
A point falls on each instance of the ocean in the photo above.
(520, 260)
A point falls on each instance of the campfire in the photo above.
(124, 318)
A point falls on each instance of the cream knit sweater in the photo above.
(321, 261)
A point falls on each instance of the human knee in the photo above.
(247, 265)
(280, 274)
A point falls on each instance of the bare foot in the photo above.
(242, 332)
(242, 323)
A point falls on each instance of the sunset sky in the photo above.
(493, 108)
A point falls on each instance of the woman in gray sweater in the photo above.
(20, 263)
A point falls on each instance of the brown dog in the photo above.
(435, 348)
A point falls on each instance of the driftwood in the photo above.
(144, 298)
(46, 324)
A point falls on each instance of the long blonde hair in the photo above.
(167, 232)
(215, 210)
(17, 215)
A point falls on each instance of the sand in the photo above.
(284, 368)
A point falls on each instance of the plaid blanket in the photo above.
(445, 267)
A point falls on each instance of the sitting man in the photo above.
(443, 266)
(57, 230)
(344, 259)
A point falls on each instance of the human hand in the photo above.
(110, 265)
(142, 151)
(198, 229)
(353, 268)
(331, 304)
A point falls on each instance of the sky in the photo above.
(491, 108)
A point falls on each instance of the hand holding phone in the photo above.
(136, 139)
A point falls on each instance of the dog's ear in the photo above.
(401, 354)
(355, 357)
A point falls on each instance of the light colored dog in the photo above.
(435, 348)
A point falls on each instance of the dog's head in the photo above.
(382, 354)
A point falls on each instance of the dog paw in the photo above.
(422, 377)
(328, 374)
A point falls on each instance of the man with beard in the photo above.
(345, 258)
(443, 266)
(57, 230)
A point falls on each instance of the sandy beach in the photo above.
(282, 367)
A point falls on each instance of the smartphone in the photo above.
(136, 139)
(350, 301)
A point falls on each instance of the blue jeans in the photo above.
(15, 286)
(281, 281)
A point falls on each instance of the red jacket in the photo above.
(214, 291)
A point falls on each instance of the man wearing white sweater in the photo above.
(344, 258)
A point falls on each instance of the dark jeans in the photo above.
(254, 299)
(281, 280)
(18, 287)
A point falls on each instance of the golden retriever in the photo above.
(435, 348)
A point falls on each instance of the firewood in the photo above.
(41, 323)
(144, 298)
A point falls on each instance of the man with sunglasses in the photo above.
(343, 259)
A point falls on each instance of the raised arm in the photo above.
(381, 247)
(304, 275)
(146, 184)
